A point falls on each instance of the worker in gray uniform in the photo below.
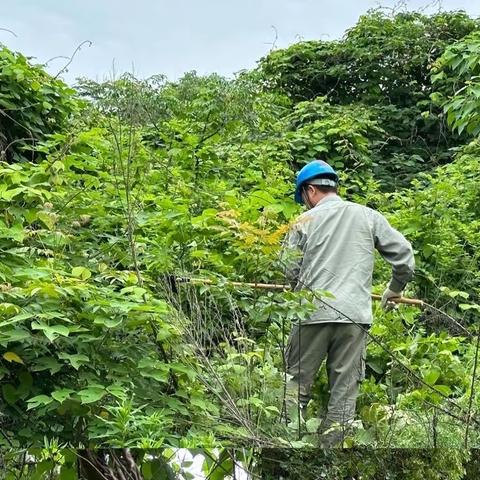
(331, 248)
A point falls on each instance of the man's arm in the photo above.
(396, 250)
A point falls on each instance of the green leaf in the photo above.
(118, 391)
(51, 331)
(108, 322)
(26, 382)
(76, 360)
(62, 394)
(312, 425)
(8, 309)
(81, 272)
(445, 389)
(160, 470)
(183, 369)
(375, 366)
(200, 402)
(222, 468)
(91, 394)
(48, 219)
(46, 363)
(41, 469)
(428, 250)
(13, 335)
(468, 306)
(67, 473)
(10, 393)
(431, 376)
(458, 293)
(365, 437)
(38, 401)
(15, 232)
(146, 469)
(157, 373)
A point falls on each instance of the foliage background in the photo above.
(110, 189)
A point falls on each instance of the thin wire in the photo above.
(458, 324)
(387, 350)
(379, 343)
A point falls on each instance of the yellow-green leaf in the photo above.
(81, 272)
(48, 219)
(12, 357)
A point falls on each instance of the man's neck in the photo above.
(325, 196)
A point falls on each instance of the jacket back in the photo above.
(335, 243)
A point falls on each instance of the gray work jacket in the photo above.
(331, 247)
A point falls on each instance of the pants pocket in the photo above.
(362, 361)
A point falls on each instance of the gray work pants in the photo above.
(344, 347)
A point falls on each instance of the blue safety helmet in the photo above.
(315, 169)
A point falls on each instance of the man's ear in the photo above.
(311, 189)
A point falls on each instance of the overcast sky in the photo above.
(176, 36)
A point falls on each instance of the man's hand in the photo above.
(386, 304)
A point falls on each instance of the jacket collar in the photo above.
(329, 198)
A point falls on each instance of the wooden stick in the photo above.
(276, 286)
(404, 300)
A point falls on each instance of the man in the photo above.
(334, 242)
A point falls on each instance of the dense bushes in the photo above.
(32, 105)
(384, 64)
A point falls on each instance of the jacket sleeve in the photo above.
(396, 250)
(292, 254)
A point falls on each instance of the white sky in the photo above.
(176, 36)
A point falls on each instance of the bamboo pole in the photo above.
(276, 286)
(406, 301)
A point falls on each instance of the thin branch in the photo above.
(73, 56)
(13, 142)
(5, 114)
(63, 57)
(472, 391)
(90, 460)
(274, 43)
(9, 31)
